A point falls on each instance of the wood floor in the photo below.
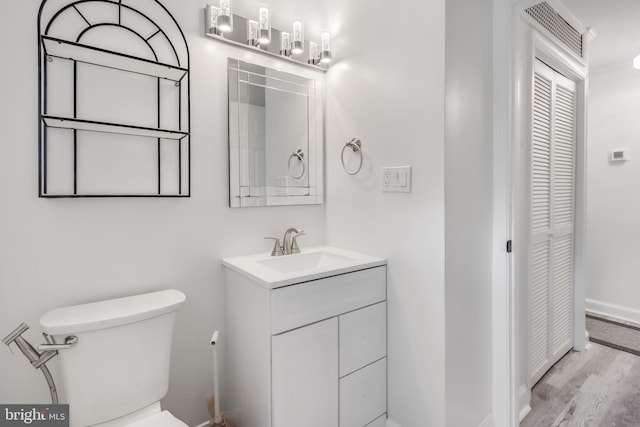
(598, 387)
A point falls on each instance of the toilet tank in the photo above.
(121, 361)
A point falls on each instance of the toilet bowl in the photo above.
(118, 371)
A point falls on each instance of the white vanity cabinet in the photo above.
(307, 354)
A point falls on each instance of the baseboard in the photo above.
(524, 411)
(525, 401)
(391, 423)
(488, 421)
(587, 345)
(617, 313)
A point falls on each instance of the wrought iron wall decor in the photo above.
(114, 100)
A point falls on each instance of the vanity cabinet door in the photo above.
(305, 376)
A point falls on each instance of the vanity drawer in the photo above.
(363, 337)
(299, 305)
(363, 395)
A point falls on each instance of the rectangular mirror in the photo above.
(275, 137)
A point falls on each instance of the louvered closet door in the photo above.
(552, 219)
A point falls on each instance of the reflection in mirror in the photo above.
(275, 137)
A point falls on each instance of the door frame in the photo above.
(518, 40)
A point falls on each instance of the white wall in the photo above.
(59, 252)
(469, 210)
(613, 200)
(387, 88)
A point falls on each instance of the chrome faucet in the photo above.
(289, 243)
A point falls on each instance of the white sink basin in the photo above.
(305, 261)
(310, 264)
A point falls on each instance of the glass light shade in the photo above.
(264, 26)
(325, 48)
(636, 62)
(313, 53)
(225, 19)
(285, 43)
(212, 19)
(252, 32)
(298, 38)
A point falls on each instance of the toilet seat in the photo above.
(160, 419)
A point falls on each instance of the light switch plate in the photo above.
(396, 179)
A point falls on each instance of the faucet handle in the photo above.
(277, 248)
(294, 243)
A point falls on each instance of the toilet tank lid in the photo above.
(110, 313)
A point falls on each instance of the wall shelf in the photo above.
(93, 126)
(93, 55)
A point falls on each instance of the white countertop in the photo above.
(310, 264)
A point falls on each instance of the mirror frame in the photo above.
(239, 179)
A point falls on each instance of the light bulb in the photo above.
(313, 53)
(298, 38)
(252, 32)
(636, 62)
(225, 19)
(285, 44)
(325, 48)
(264, 27)
(212, 19)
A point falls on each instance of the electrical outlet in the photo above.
(386, 179)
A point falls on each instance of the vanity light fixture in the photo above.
(225, 18)
(298, 37)
(285, 44)
(259, 36)
(212, 20)
(252, 32)
(313, 53)
(636, 62)
(325, 48)
(264, 26)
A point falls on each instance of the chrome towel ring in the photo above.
(356, 145)
(300, 156)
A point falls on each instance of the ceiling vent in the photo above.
(553, 22)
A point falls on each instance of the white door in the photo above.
(553, 158)
(305, 376)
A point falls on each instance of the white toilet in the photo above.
(118, 371)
